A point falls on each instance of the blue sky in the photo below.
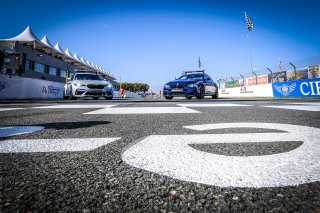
(153, 41)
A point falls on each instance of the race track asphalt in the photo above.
(124, 176)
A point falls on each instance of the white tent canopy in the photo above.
(46, 41)
(76, 57)
(58, 48)
(28, 37)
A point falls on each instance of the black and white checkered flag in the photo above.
(248, 22)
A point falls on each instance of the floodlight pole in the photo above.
(271, 74)
(250, 49)
(295, 70)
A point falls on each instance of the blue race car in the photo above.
(191, 83)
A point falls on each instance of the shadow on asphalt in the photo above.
(73, 125)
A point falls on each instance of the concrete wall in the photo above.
(264, 90)
(18, 87)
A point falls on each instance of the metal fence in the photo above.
(302, 69)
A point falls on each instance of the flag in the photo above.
(199, 63)
(248, 22)
(280, 64)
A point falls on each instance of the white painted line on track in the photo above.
(212, 105)
(307, 103)
(143, 110)
(8, 109)
(8, 131)
(75, 106)
(53, 145)
(312, 108)
(171, 155)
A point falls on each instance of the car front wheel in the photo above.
(71, 97)
(169, 97)
(201, 93)
(108, 98)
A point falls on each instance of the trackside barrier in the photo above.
(18, 87)
(116, 94)
(264, 90)
(307, 88)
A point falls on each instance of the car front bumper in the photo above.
(83, 92)
(188, 91)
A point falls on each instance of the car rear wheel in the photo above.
(215, 96)
(189, 97)
(201, 93)
(169, 98)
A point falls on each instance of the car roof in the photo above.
(86, 73)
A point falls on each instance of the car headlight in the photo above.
(192, 85)
(108, 86)
(167, 86)
(79, 84)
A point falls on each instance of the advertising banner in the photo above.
(231, 84)
(314, 72)
(299, 74)
(278, 77)
(261, 79)
(299, 88)
(264, 90)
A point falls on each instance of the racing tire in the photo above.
(95, 98)
(108, 98)
(215, 96)
(200, 95)
(71, 97)
(189, 97)
(169, 98)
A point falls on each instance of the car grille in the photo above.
(95, 86)
(95, 93)
(181, 86)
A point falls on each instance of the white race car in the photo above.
(88, 85)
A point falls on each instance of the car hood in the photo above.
(182, 82)
(91, 82)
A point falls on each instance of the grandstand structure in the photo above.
(27, 56)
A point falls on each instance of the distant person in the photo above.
(121, 92)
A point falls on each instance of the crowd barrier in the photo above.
(264, 90)
(306, 88)
(17, 87)
(300, 88)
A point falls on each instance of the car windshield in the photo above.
(86, 77)
(191, 77)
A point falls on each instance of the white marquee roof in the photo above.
(26, 35)
(76, 57)
(46, 41)
(45, 45)
(58, 48)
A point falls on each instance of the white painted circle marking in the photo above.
(170, 155)
(8, 131)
